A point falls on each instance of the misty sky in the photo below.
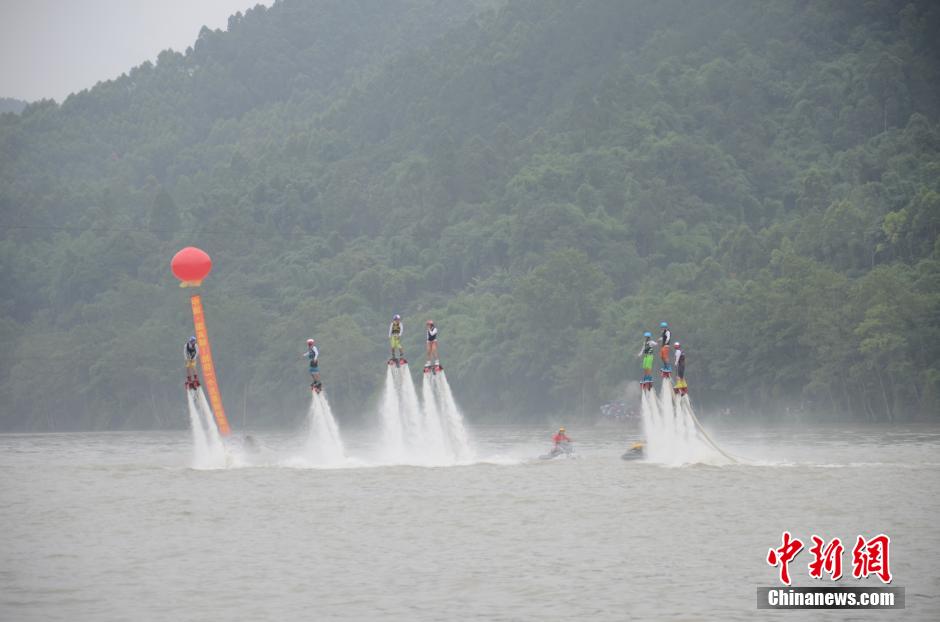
(50, 48)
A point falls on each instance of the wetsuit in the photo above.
(395, 330)
(432, 333)
(680, 363)
(313, 354)
(190, 354)
(647, 353)
(666, 337)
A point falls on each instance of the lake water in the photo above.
(119, 526)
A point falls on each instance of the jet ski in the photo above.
(561, 449)
(636, 452)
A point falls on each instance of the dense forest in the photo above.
(544, 178)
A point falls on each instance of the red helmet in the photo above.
(676, 344)
(431, 322)
(310, 342)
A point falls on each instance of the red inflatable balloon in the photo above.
(191, 265)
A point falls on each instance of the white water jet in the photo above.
(670, 425)
(437, 448)
(452, 419)
(426, 433)
(216, 456)
(393, 434)
(409, 409)
(200, 444)
(656, 440)
(673, 434)
(324, 444)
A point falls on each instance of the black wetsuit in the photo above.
(680, 365)
(666, 336)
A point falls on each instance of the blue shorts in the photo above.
(314, 370)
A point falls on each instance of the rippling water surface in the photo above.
(118, 526)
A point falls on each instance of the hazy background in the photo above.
(50, 48)
(545, 178)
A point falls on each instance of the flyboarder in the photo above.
(395, 331)
(649, 347)
(313, 355)
(190, 354)
(665, 338)
(664, 356)
(681, 387)
(432, 354)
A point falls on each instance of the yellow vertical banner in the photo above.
(208, 368)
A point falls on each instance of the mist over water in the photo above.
(674, 435)
(430, 432)
(324, 444)
(115, 526)
(208, 450)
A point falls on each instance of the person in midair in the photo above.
(190, 354)
(681, 386)
(313, 356)
(432, 346)
(395, 331)
(649, 347)
(665, 339)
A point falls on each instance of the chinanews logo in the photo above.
(870, 558)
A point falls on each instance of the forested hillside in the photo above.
(544, 178)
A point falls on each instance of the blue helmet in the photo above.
(663, 324)
(192, 339)
(647, 334)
